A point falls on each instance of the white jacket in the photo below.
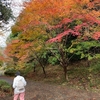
(15, 81)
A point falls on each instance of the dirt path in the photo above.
(43, 91)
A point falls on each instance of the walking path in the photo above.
(43, 91)
(7, 79)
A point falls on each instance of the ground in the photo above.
(46, 91)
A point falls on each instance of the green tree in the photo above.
(5, 12)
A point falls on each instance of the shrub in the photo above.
(5, 87)
(10, 72)
(2, 83)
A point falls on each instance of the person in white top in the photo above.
(19, 84)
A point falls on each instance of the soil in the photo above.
(46, 91)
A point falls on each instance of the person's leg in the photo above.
(16, 96)
(22, 96)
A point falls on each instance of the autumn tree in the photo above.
(61, 24)
(24, 51)
(81, 26)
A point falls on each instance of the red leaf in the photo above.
(15, 41)
(78, 27)
(96, 35)
(61, 35)
(27, 45)
(66, 21)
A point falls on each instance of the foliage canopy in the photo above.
(71, 25)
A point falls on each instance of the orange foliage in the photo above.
(2, 58)
(40, 15)
(50, 12)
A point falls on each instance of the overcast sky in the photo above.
(16, 6)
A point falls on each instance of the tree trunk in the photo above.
(65, 72)
(44, 71)
(34, 69)
(43, 68)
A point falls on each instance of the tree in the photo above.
(64, 23)
(5, 12)
(81, 24)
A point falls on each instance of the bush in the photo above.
(5, 87)
(10, 72)
(3, 83)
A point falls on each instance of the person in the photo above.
(19, 92)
